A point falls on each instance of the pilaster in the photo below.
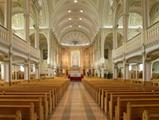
(8, 25)
(27, 27)
(125, 33)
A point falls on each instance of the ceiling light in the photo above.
(75, 1)
(69, 18)
(69, 11)
(81, 11)
(80, 18)
(79, 26)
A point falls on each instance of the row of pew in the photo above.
(34, 100)
(124, 99)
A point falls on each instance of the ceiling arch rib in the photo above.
(82, 3)
(69, 25)
(76, 10)
(75, 37)
(75, 21)
(87, 14)
(75, 25)
(70, 29)
(76, 17)
(76, 31)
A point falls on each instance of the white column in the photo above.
(115, 37)
(115, 73)
(125, 34)
(6, 71)
(102, 72)
(27, 24)
(145, 12)
(145, 20)
(98, 72)
(144, 67)
(49, 47)
(49, 71)
(145, 25)
(8, 25)
(26, 18)
(8, 14)
(37, 32)
(16, 72)
(26, 70)
(127, 71)
(148, 71)
(2, 71)
(102, 45)
(137, 71)
(114, 30)
(37, 72)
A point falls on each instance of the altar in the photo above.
(75, 73)
(75, 76)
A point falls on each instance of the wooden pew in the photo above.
(37, 104)
(48, 91)
(29, 95)
(106, 94)
(150, 115)
(27, 111)
(113, 99)
(134, 111)
(120, 108)
(16, 116)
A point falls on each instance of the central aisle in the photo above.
(77, 104)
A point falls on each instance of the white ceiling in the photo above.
(75, 27)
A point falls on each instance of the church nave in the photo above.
(77, 104)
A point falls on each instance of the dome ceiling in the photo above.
(75, 22)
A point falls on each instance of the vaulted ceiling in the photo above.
(75, 22)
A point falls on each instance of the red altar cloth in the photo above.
(75, 78)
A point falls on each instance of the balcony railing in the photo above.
(152, 33)
(118, 52)
(34, 52)
(134, 44)
(18, 44)
(4, 35)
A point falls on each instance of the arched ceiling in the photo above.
(75, 21)
(70, 20)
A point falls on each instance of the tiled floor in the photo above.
(77, 104)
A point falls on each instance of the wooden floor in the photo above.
(77, 104)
